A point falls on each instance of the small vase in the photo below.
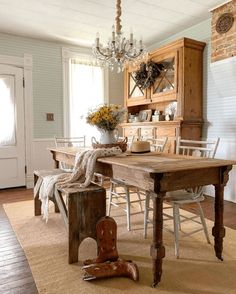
(108, 137)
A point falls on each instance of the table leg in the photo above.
(218, 230)
(157, 250)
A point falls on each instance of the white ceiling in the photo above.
(77, 21)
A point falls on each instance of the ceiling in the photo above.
(77, 21)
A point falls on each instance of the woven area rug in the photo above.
(197, 270)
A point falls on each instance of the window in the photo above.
(85, 89)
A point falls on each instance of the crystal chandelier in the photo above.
(118, 51)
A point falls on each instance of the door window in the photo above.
(7, 111)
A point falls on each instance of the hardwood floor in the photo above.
(15, 274)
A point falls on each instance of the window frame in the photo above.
(67, 55)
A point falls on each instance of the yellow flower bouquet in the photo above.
(106, 117)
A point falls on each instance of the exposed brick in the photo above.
(223, 45)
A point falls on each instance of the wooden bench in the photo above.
(40, 174)
(80, 212)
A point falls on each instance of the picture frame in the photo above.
(145, 115)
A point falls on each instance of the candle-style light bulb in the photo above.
(97, 39)
(131, 36)
(113, 33)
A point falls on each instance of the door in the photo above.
(12, 136)
(166, 85)
(135, 95)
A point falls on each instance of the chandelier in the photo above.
(118, 51)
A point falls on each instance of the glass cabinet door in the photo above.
(166, 82)
(135, 94)
(134, 89)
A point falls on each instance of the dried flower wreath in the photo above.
(147, 74)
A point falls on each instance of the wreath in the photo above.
(147, 74)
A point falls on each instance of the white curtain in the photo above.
(86, 92)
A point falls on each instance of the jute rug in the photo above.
(197, 270)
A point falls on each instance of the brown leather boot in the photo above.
(106, 230)
(119, 268)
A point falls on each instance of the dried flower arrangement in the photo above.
(147, 74)
(106, 117)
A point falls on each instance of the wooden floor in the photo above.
(15, 274)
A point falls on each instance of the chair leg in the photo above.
(203, 223)
(139, 198)
(128, 208)
(179, 220)
(176, 228)
(110, 199)
(146, 214)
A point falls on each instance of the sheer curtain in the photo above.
(86, 92)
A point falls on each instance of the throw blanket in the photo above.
(81, 176)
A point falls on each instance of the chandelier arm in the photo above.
(98, 51)
(133, 55)
(118, 15)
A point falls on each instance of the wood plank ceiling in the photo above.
(77, 21)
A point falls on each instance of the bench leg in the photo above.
(56, 209)
(37, 202)
(73, 229)
(85, 208)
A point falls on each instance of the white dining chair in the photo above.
(157, 144)
(123, 194)
(205, 148)
(76, 142)
(68, 142)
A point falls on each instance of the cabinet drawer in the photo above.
(129, 132)
(148, 132)
(168, 132)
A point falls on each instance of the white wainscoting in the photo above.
(226, 150)
(41, 157)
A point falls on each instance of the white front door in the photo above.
(12, 135)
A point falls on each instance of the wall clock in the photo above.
(224, 23)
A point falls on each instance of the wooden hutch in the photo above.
(180, 81)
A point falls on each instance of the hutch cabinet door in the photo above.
(135, 95)
(165, 87)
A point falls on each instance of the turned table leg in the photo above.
(157, 250)
(218, 230)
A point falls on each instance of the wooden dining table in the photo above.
(159, 173)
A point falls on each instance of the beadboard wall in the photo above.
(47, 80)
(48, 91)
(219, 107)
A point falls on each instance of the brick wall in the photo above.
(223, 45)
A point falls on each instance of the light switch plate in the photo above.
(50, 116)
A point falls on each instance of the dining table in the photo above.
(159, 173)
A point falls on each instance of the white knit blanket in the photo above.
(81, 176)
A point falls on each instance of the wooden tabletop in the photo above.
(154, 162)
